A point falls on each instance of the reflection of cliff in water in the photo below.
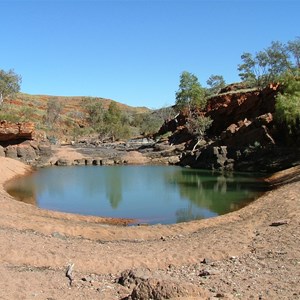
(219, 194)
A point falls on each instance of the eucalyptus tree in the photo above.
(10, 83)
(265, 66)
(294, 51)
(191, 95)
(215, 83)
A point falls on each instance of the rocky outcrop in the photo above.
(243, 135)
(232, 107)
(30, 152)
(11, 132)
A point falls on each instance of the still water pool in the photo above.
(149, 194)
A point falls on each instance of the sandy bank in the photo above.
(37, 245)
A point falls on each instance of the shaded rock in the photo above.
(2, 153)
(11, 152)
(279, 223)
(89, 161)
(26, 153)
(63, 162)
(45, 149)
(173, 124)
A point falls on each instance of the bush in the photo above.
(287, 107)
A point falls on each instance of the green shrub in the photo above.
(287, 107)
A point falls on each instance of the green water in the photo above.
(149, 194)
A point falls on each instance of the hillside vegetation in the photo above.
(70, 117)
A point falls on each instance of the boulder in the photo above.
(146, 285)
(11, 152)
(26, 153)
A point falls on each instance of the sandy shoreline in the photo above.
(37, 245)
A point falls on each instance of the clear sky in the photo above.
(133, 51)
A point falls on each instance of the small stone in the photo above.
(204, 273)
(205, 261)
(279, 223)
(220, 295)
(58, 235)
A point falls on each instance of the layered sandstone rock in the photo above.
(234, 106)
(16, 131)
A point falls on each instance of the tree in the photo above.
(54, 109)
(265, 66)
(115, 123)
(190, 95)
(294, 51)
(287, 106)
(95, 111)
(151, 123)
(198, 126)
(215, 83)
(10, 83)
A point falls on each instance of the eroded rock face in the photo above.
(243, 135)
(232, 107)
(16, 131)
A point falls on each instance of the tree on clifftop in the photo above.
(270, 64)
(9, 84)
(191, 95)
(215, 83)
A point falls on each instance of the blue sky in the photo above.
(134, 51)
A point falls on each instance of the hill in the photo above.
(69, 115)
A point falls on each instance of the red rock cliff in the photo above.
(232, 107)
(16, 131)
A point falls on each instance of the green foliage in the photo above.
(165, 113)
(95, 112)
(54, 109)
(191, 95)
(112, 119)
(26, 113)
(215, 83)
(270, 64)
(151, 123)
(293, 48)
(108, 123)
(287, 108)
(199, 125)
(9, 84)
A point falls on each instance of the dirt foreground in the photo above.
(253, 253)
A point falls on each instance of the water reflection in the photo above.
(151, 194)
(217, 193)
(113, 183)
